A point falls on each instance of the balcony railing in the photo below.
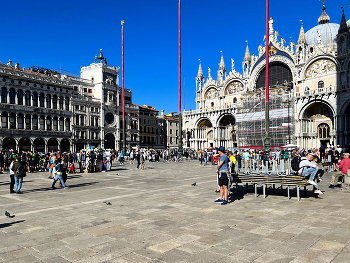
(224, 107)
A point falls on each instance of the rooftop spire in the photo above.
(222, 63)
(343, 27)
(324, 18)
(302, 39)
(200, 71)
(247, 54)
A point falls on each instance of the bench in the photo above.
(264, 180)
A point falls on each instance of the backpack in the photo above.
(295, 163)
(21, 172)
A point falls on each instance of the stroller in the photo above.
(42, 165)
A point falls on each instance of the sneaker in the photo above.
(318, 191)
(66, 187)
(338, 185)
(224, 202)
(219, 200)
(217, 191)
(311, 182)
(19, 192)
(53, 187)
(331, 186)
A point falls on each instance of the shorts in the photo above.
(1, 164)
(31, 163)
(222, 178)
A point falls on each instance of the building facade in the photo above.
(310, 93)
(43, 110)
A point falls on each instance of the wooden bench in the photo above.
(264, 180)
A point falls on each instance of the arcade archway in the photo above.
(227, 131)
(204, 134)
(9, 144)
(52, 145)
(110, 141)
(65, 145)
(24, 144)
(39, 145)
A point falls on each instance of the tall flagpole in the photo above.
(180, 116)
(124, 143)
(267, 90)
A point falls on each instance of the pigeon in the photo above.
(8, 215)
(194, 184)
(108, 203)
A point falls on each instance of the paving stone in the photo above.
(165, 246)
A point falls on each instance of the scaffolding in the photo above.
(251, 118)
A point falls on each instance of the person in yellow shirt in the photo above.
(232, 157)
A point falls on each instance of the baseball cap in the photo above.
(221, 149)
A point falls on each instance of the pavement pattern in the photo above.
(157, 216)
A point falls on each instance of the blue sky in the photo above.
(68, 34)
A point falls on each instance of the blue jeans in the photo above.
(312, 172)
(58, 176)
(18, 183)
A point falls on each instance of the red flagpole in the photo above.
(267, 142)
(124, 143)
(179, 57)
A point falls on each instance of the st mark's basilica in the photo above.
(309, 93)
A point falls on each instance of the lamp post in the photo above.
(180, 116)
(267, 142)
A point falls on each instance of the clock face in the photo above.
(109, 117)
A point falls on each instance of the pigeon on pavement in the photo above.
(7, 214)
(194, 184)
(108, 203)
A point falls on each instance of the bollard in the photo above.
(298, 193)
(266, 167)
(257, 166)
(264, 190)
(274, 168)
(282, 171)
(256, 190)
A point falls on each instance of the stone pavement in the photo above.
(157, 216)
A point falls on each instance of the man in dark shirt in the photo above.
(1, 161)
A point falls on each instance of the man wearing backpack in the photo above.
(19, 172)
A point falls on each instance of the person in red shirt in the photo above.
(343, 170)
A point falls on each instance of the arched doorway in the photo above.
(109, 141)
(227, 131)
(39, 145)
(52, 145)
(24, 144)
(317, 126)
(9, 144)
(204, 135)
(65, 145)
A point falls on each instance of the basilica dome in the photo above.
(325, 32)
(328, 33)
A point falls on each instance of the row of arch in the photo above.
(38, 144)
(35, 99)
(34, 122)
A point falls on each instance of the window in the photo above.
(54, 102)
(28, 122)
(4, 119)
(320, 84)
(48, 123)
(90, 90)
(77, 120)
(41, 100)
(48, 101)
(60, 103)
(171, 131)
(82, 108)
(85, 89)
(234, 100)
(12, 96)
(3, 95)
(20, 97)
(67, 124)
(35, 99)
(177, 132)
(35, 122)
(92, 121)
(55, 124)
(323, 131)
(278, 74)
(42, 123)
(67, 103)
(27, 98)
(82, 121)
(12, 121)
(61, 124)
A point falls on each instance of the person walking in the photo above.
(58, 166)
(19, 172)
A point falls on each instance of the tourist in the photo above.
(12, 177)
(223, 173)
(343, 171)
(58, 176)
(309, 168)
(19, 172)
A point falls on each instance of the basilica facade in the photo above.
(309, 93)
